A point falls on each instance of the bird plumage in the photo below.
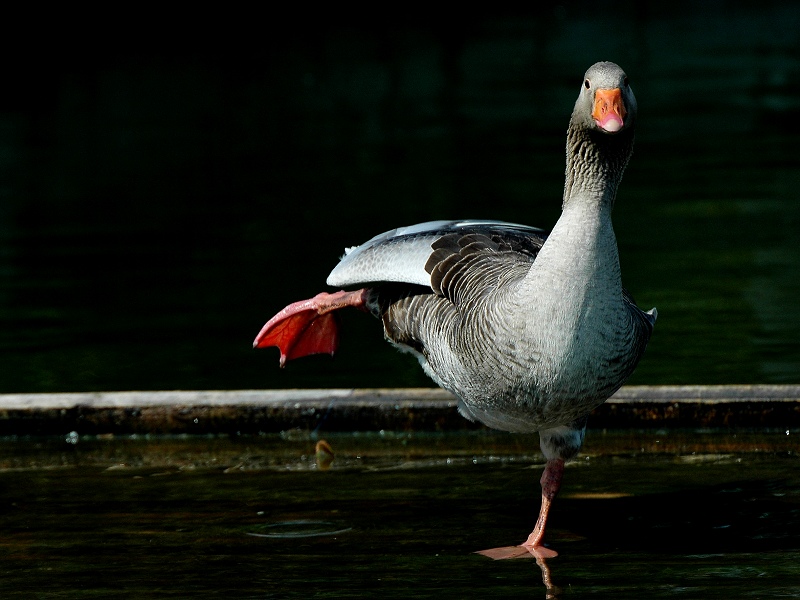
(530, 330)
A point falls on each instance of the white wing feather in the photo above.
(400, 255)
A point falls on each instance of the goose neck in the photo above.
(595, 164)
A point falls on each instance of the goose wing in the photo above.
(449, 257)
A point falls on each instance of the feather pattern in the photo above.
(400, 255)
(530, 330)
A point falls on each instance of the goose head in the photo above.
(600, 134)
(606, 102)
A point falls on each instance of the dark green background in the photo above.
(168, 182)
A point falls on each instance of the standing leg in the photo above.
(551, 482)
(558, 444)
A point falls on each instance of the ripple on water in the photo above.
(301, 528)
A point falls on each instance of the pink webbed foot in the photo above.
(507, 552)
(521, 551)
(309, 326)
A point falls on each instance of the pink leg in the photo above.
(309, 326)
(551, 482)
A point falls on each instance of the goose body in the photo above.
(530, 330)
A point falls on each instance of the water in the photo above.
(160, 201)
(669, 515)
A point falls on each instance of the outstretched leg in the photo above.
(309, 326)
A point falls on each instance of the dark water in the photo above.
(679, 515)
(163, 193)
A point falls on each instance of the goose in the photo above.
(530, 331)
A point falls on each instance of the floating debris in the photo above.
(324, 455)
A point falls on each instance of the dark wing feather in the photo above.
(468, 264)
(464, 265)
(643, 323)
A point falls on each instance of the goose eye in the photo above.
(625, 81)
(586, 84)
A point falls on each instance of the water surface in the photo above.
(684, 514)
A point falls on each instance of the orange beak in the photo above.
(609, 110)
